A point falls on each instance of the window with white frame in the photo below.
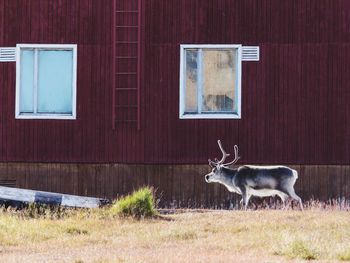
(210, 82)
(46, 81)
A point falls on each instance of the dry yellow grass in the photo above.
(212, 236)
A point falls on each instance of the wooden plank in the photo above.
(199, 185)
(334, 181)
(165, 174)
(325, 190)
(304, 185)
(313, 183)
(347, 182)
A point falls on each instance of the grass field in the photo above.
(190, 236)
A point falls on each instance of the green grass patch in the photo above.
(36, 211)
(298, 249)
(76, 231)
(140, 204)
(187, 235)
(344, 256)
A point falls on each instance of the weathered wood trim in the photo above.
(176, 185)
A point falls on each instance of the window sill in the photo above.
(46, 116)
(211, 116)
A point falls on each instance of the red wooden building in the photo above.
(99, 97)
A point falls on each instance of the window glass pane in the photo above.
(55, 81)
(219, 85)
(191, 80)
(27, 81)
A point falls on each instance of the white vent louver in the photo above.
(250, 53)
(7, 54)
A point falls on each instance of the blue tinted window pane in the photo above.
(27, 81)
(55, 81)
(191, 80)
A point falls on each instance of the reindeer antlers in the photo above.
(224, 156)
(236, 156)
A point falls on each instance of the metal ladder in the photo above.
(126, 38)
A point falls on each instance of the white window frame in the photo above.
(224, 115)
(70, 47)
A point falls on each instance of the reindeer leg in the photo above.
(283, 197)
(241, 202)
(245, 197)
(296, 197)
(293, 195)
(248, 198)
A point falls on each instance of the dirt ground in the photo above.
(102, 253)
(220, 236)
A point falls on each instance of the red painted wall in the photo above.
(295, 100)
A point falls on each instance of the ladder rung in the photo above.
(126, 57)
(125, 89)
(126, 26)
(126, 120)
(126, 106)
(126, 73)
(127, 11)
(126, 42)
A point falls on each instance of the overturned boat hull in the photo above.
(17, 195)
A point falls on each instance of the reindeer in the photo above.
(249, 180)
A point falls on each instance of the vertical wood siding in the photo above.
(295, 100)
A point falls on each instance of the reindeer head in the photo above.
(216, 173)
